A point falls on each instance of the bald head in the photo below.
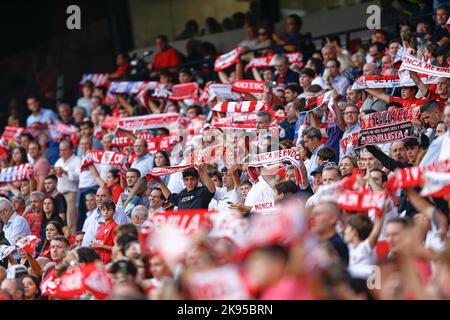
(370, 69)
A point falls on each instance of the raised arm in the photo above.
(96, 176)
(379, 94)
(256, 74)
(418, 82)
(35, 266)
(376, 230)
(164, 188)
(206, 180)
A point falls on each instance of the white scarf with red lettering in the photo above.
(227, 60)
(246, 121)
(268, 159)
(151, 121)
(414, 64)
(111, 158)
(268, 61)
(375, 82)
(242, 106)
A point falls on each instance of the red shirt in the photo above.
(105, 235)
(116, 192)
(46, 252)
(35, 221)
(408, 103)
(167, 58)
(431, 95)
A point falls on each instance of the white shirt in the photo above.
(144, 164)
(69, 182)
(92, 223)
(361, 260)
(340, 84)
(261, 196)
(222, 196)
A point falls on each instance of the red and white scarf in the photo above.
(246, 121)
(227, 60)
(147, 122)
(268, 61)
(375, 82)
(219, 91)
(248, 86)
(414, 64)
(242, 106)
(99, 79)
(269, 159)
(362, 201)
(17, 173)
(111, 158)
(184, 91)
(131, 87)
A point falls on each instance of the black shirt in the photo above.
(439, 34)
(61, 203)
(199, 198)
(341, 247)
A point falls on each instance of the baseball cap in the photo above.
(411, 141)
(16, 271)
(320, 168)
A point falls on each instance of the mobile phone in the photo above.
(271, 84)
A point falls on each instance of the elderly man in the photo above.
(96, 219)
(13, 224)
(284, 75)
(34, 213)
(143, 161)
(139, 215)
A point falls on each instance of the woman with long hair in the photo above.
(32, 288)
(135, 197)
(161, 159)
(52, 229)
(346, 165)
(18, 156)
(50, 210)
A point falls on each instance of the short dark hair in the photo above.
(327, 154)
(430, 106)
(294, 88)
(191, 172)
(86, 255)
(52, 177)
(109, 204)
(87, 122)
(198, 109)
(247, 182)
(124, 266)
(163, 38)
(159, 189)
(380, 47)
(308, 72)
(286, 187)
(186, 71)
(217, 174)
(135, 171)
(383, 174)
(297, 20)
(62, 239)
(361, 224)
(28, 135)
(114, 172)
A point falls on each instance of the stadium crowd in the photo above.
(293, 173)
